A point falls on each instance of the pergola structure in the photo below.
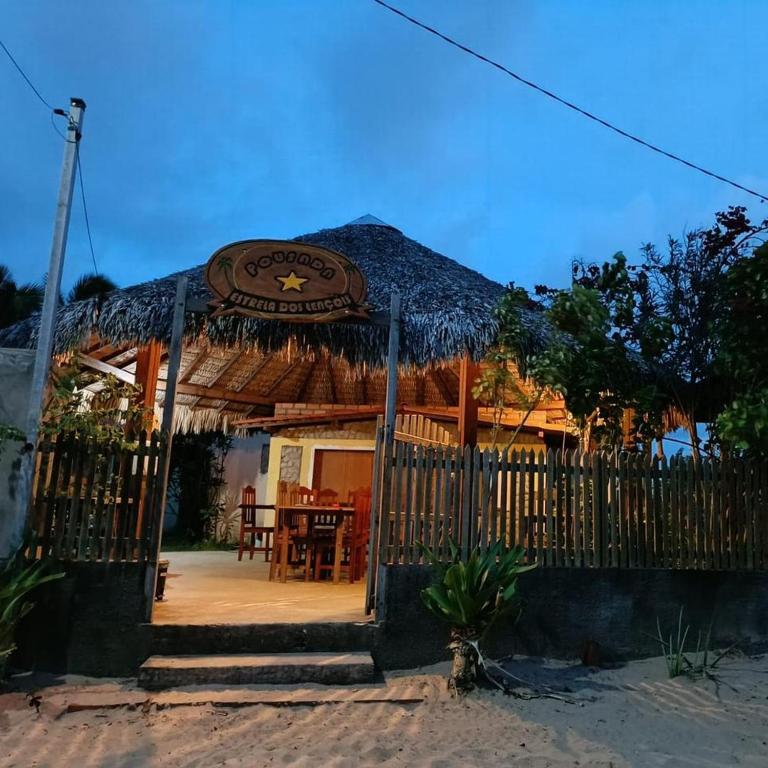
(234, 370)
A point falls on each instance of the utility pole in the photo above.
(48, 315)
(55, 267)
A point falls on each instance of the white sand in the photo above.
(630, 716)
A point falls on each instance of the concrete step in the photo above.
(68, 701)
(159, 672)
(204, 639)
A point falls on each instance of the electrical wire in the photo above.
(569, 104)
(61, 113)
(85, 207)
(24, 75)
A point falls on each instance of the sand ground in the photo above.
(628, 716)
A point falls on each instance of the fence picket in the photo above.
(397, 482)
(530, 504)
(408, 536)
(503, 497)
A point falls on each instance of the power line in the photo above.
(85, 206)
(567, 103)
(62, 113)
(26, 79)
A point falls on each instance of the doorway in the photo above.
(343, 470)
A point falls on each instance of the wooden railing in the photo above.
(570, 509)
(96, 502)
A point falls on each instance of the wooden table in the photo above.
(312, 512)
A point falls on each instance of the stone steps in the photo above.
(160, 672)
(58, 704)
(205, 639)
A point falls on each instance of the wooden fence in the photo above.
(573, 509)
(95, 502)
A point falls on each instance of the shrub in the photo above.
(470, 596)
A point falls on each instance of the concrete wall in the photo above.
(88, 623)
(565, 608)
(15, 380)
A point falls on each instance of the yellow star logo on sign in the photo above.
(292, 282)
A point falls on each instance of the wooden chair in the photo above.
(291, 525)
(250, 528)
(354, 542)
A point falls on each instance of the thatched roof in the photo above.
(447, 309)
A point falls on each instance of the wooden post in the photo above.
(166, 431)
(393, 354)
(467, 403)
(147, 370)
(383, 474)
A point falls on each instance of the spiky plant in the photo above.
(470, 595)
(17, 579)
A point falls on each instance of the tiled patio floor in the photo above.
(215, 588)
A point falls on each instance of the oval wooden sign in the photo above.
(285, 280)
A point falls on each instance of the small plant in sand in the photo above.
(703, 662)
(470, 595)
(17, 579)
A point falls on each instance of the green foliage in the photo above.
(589, 361)
(107, 413)
(470, 595)
(703, 663)
(680, 334)
(742, 426)
(9, 433)
(196, 483)
(674, 648)
(17, 579)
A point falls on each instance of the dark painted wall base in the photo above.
(87, 623)
(91, 622)
(563, 609)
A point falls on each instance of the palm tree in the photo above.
(89, 286)
(17, 301)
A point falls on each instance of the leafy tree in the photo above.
(686, 291)
(742, 359)
(499, 385)
(648, 337)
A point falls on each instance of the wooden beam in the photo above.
(467, 403)
(224, 368)
(281, 377)
(255, 372)
(321, 417)
(302, 393)
(97, 365)
(331, 382)
(195, 365)
(442, 385)
(218, 393)
(421, 388)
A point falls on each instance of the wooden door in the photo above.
(342, 470)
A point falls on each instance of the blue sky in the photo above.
(210, 122)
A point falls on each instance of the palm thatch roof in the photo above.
(447, 309)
